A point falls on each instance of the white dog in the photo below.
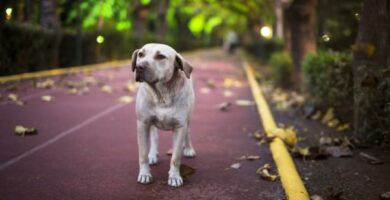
(165, 100)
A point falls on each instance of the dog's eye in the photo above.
(159, 57)
(140, 54)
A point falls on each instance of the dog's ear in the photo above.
(134, 59)
(183, 65)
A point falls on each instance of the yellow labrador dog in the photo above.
(165, 100)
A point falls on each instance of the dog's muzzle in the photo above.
(140, 73)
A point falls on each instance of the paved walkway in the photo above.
(87, 149)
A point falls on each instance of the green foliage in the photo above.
(328, 78)
(282, 68)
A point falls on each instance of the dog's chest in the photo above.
(166, 118)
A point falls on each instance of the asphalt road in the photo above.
(86, 144)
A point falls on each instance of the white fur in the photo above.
(163, 106)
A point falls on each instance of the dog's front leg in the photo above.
(143, 132)
(175, 179)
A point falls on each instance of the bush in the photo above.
(328, 79)
(263, 49)
(282, 68)
(25, 48)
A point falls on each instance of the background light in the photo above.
(99, 39)
(266, 32)
(326, 38)
(8, 13)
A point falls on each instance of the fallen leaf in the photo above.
(126, 99)
(338, 151)
(107, 89)
(264, 173)
(249, 158)
(47, 98)
(89, 80)
(288, 135)
(252, 157)
(385, 196)
(329, 115)
(224, 106)
(371, 159)
(12, 88)
(235, 166)
(243, 102)
(317, 115)
(333, 123)
(325, 140)
(312, 153)
(316, 197)
(46, 84)
(210, 83)
(15, 98)
(227, 93)
(342, 127)
(21, 130)
(204, 90)
(186, 171)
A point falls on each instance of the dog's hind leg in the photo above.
(153, 151)
(189, 150)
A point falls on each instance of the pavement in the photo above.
(86, 144)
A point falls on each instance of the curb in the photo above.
(61, 71)
(291, 181)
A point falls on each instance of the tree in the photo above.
(300, 36)
(370, 57)
(48, 17)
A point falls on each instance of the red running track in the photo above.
(87, 149)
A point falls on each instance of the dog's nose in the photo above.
(141, 65)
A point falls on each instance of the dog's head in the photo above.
(157, 63)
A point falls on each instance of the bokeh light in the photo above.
(100, 39)
(266, 32)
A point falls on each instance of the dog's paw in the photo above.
(145, 178)
(189, 152)
(175, 180)
(153, 159)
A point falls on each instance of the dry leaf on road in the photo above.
(371, 159)
(21, 130)
(264, 173)
(126, 99)
(227, 93)
(235, 166)
(46, 84)
(244, 102)
(47, 98)
(224, 106)
(107, 89)
(186, 171)
(15, 98)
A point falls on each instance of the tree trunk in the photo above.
(162, 8)
(301, 16)
(48, 17)
(140, 13)
(370, 54)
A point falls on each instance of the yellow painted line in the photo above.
(61, 71)
(291, 181)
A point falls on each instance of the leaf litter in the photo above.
(186, 171)
(15, 98)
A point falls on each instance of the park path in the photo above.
(86, 147)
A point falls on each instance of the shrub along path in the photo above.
(86, 143)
